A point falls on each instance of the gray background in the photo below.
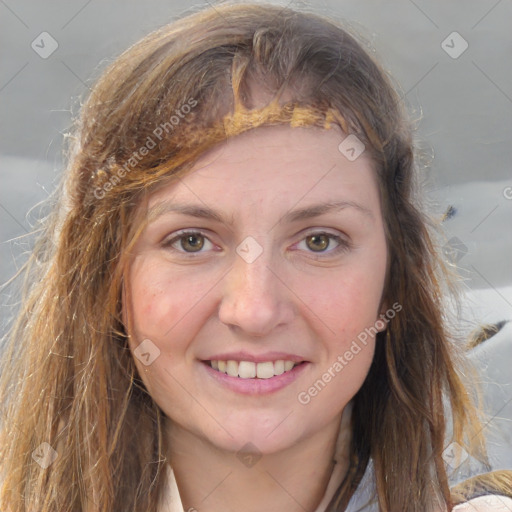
(465, 106)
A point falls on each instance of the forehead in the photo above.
(276, 165)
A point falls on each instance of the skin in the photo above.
(300, 296)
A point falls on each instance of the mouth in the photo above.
(252, 370)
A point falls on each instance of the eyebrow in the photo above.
(202, 212)
(323, 208)
(205, 212)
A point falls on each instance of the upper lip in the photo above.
(255, 358)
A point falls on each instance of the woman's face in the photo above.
(271, 249)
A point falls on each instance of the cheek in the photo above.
(157, 306)
(348, 311)
(151, 298)
(160, 299)
(348, 300)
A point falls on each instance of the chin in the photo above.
(263, 437)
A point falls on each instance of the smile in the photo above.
(254, 378)
(252, 370)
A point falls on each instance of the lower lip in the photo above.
(257, 386)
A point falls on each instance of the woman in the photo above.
(236, 303)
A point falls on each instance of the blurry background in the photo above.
(452, 60)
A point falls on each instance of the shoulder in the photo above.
(490, 503)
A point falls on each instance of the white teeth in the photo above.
(247, 369)
(288, 365)
(279, 367)
(251, 370)
(265, 370)
(232, 368)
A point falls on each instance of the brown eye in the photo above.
(323, 245)
(188, 242)
(192, 243)
(318, 243)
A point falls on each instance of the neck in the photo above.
(294, 479)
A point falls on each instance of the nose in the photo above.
(255, 298)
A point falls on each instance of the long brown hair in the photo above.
(68, 377)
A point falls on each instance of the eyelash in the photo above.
(343, 245)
